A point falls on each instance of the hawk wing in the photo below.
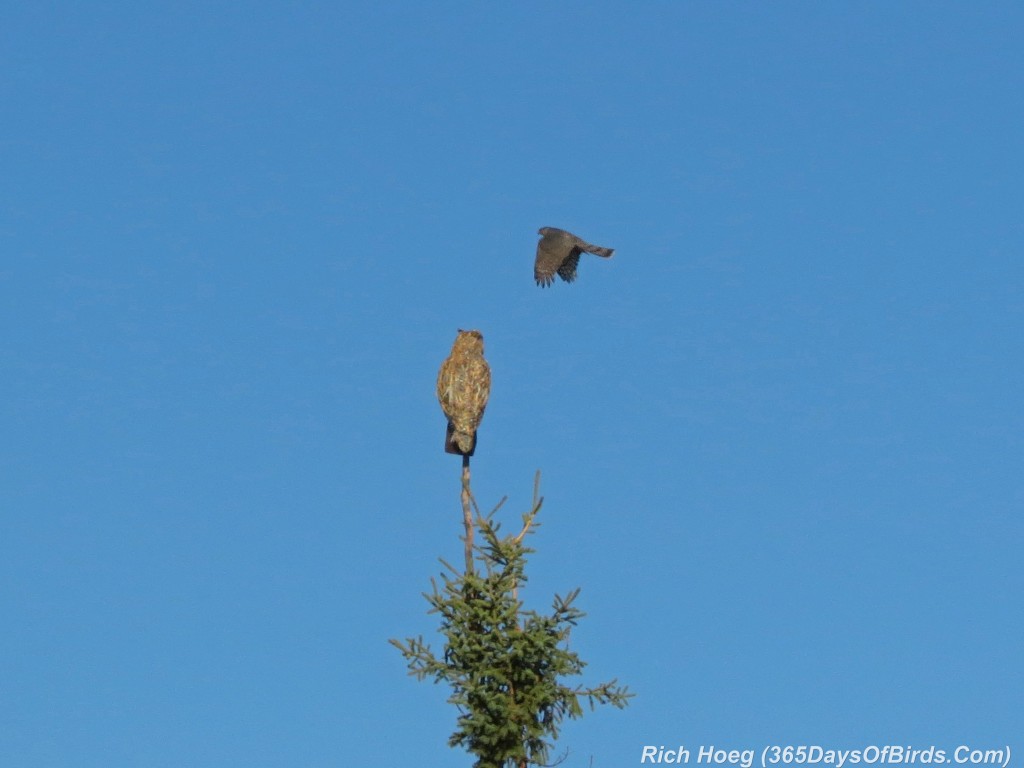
(568, 269)
(551, 256)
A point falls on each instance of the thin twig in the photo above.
(538, 500)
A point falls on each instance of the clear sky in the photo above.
(780, 432)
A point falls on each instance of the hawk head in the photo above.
(467, 340)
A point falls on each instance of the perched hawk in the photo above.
(559, 252)
(463, 386)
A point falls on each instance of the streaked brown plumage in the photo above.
(558, 252)
(463, 386)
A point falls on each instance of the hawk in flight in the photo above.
(463, 386)
(558, 252)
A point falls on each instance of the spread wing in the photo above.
(551, 256)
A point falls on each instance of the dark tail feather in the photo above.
(451, 446)
(597, 250)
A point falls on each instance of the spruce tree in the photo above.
(505, 664)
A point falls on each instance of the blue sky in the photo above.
(780, 431)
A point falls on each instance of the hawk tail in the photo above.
(459, 443)
(597, 250)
